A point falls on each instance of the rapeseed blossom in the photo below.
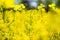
(41, 6)
(22, 24)
(19, 7)
(52, 6)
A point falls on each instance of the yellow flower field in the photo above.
(22, 24)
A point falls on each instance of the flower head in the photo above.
(16, 7)
(52, 6)
(19, 7)
(41, 6)
(22, 6)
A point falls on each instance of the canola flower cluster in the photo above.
(30, 24)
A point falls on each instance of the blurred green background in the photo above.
(35, 3)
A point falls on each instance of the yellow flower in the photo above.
(17, 37)
(16, 7)
(1, 2)
(9, 3)
(22, 5)
(52, 6)
(41, 6)
(19, 7)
